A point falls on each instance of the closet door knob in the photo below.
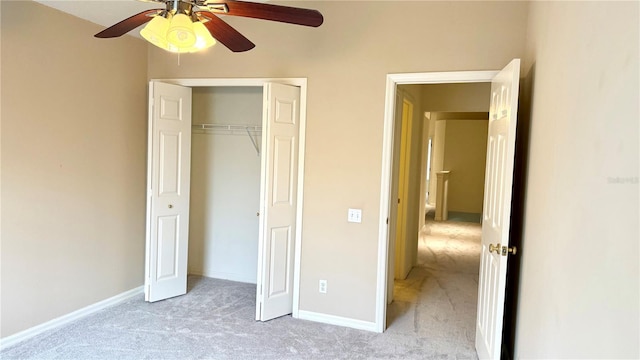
(170, 206)
(257, 214)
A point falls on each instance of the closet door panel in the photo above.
(279, 189)
(168, 183)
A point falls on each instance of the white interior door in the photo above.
(279, 181)
(497, 210)
(392, 220)
(168, 177)
(402, 263)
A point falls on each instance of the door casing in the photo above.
(259, 82)
(393, 80)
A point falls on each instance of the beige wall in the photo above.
(73, 165)
(579, 280)
(346, 61)
(465, 156)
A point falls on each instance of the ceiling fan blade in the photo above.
(225, 34)
(128, 24)
(287, 14)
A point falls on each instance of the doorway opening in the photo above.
(225, 182)
(496, 212)
(398, 85)
(436, 293)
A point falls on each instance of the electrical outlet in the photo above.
(322, 286)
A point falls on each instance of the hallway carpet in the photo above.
(432, 317)
(438, 299)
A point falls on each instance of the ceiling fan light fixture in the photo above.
(194, 25)
(204, 40)
(155, 31)
(180, 33)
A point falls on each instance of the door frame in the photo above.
(393, 80)
(259, 82)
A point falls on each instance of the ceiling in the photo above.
(105, 13)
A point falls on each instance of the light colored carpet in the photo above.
(432, 317)
(437, 302)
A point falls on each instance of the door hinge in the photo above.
(387, 221)
(398, 200)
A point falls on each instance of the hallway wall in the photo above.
(465, 153)
(441, 98)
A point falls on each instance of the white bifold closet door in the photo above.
(280, 137)
(168, 195)
(168, 176)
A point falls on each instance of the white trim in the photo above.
(147, 233)
(263, 186)
(68, 318)
(336, 320)
(302, 84)
(302, 136)
(387, 145)
(243, 278)
(447, 77)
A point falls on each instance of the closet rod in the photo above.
(228, 127)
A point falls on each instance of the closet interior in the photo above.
(225, 182)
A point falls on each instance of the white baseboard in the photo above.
(336, 320)
(65, 319)
(243, 278)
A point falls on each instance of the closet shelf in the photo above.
(232, 129)
(227, 127)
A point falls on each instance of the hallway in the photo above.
(438, 299)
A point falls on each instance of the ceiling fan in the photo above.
(169, 27)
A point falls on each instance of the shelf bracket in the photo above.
(253, 141)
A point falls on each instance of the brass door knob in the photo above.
(495, 248)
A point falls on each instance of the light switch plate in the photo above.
(355, 216)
